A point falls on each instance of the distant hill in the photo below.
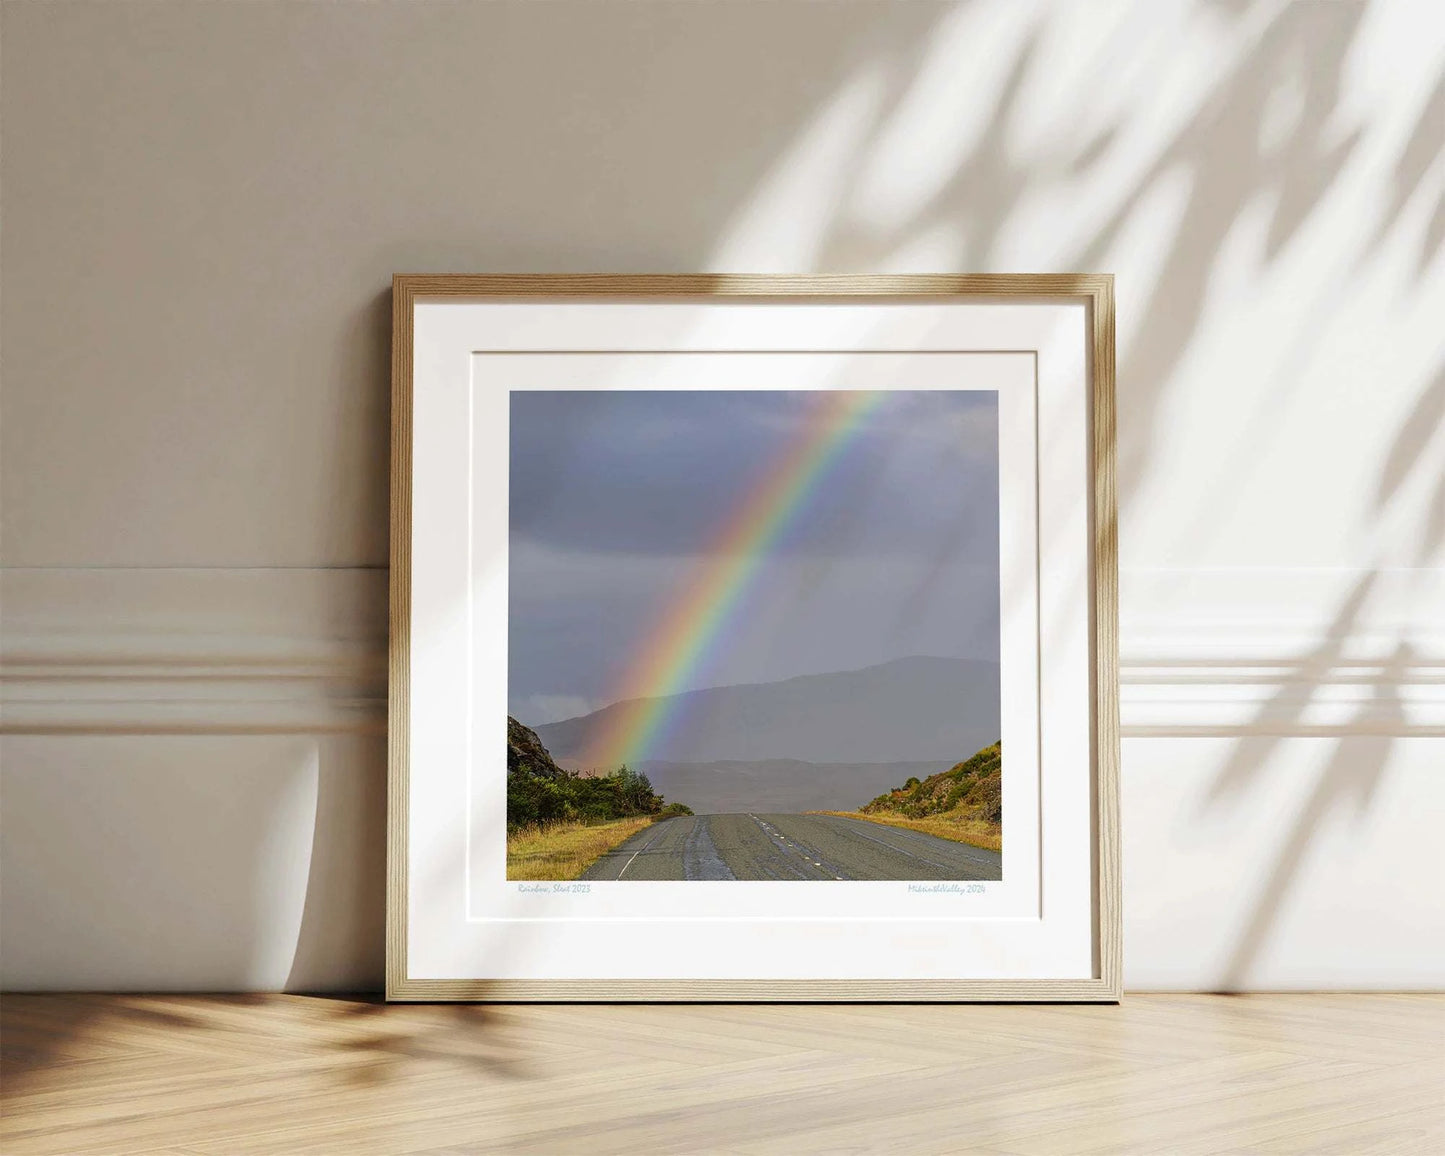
(912, 710)
(785, 785)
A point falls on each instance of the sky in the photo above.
(616, 498)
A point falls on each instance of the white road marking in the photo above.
(628, 864)
(638, 852)
(781, 838)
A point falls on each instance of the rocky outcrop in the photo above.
(526, 752)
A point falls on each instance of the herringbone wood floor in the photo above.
(291, 1074)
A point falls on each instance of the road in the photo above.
(789, 847)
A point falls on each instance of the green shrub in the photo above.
(537, 795)
(973, 785)
(539, 791)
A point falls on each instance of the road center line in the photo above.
(779, 839)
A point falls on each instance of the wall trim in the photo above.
(136, 651)
(1203, 653)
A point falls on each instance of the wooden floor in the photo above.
(291, 1074)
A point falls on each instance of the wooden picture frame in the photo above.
(1095, 777)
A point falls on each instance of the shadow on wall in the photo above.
(948, 167)
(1362, 745)
(924, 163)
(737, 137)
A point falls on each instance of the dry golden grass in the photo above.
(975, 832)
(565, 850)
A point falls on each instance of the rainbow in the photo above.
(686, 634)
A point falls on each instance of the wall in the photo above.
(202, 207)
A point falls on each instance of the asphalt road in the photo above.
(790, 847)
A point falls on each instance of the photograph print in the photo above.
(754, 635)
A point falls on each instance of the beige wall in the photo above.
(202, 205)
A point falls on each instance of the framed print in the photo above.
(753, 638)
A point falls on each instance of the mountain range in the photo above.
(779, 785)
(910, 710)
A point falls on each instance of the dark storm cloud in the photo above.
(616, 497)
(658, 473)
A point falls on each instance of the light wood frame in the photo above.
(1097, 292)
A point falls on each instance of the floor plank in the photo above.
(235, 1075)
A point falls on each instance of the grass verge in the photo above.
(974, 832)
(560, 851)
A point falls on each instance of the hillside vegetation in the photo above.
(963, 803)
(974, 785)
(540, 792)
(559, 821)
